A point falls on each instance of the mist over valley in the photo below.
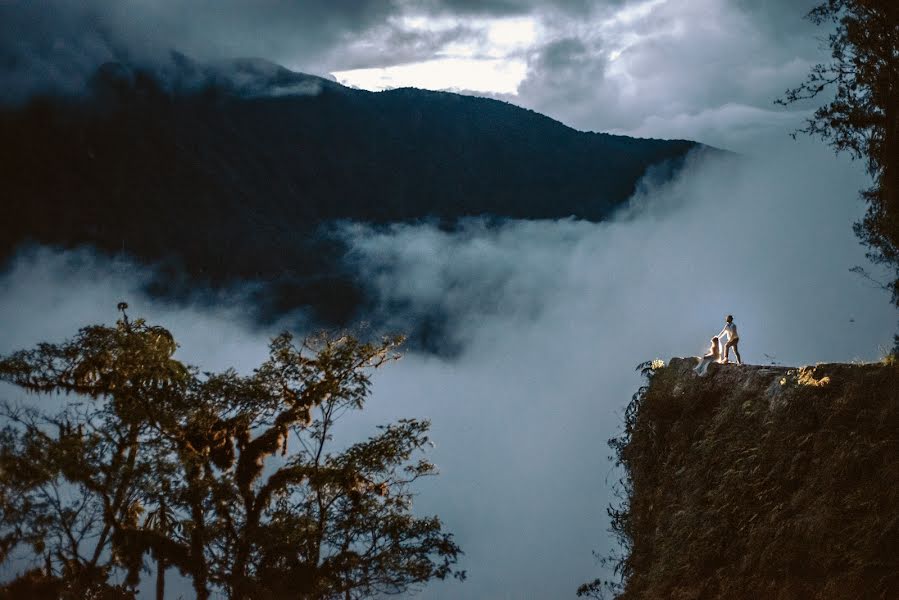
(232, 208)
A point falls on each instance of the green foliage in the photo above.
(863, 117)
(69, 480)
(37, 585)
(228, 478)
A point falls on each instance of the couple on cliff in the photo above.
(714, 355)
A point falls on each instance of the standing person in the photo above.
(733, 338)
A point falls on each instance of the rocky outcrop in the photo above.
(762, 482)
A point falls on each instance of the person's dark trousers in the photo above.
(732, 344)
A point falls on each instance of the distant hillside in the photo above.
(763, 482)
(224, 171)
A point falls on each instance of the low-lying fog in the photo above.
(551, 318)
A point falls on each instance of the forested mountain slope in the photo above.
(225, 172)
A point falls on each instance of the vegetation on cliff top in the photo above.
(760, 482)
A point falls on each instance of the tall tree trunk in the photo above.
(889, 182)
(200, 570)
(160, 579)
(891, 165)
(163, 524)
(197, 542)
(242, 553)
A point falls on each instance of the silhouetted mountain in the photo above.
(226, 170)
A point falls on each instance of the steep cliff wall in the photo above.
(763, 482)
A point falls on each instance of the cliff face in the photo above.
(764, 482)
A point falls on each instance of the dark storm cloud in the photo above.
(474, 7)
(47, 46)
(697, 69)
(567, 74)
(296, 33)
(392, 44)
(56, 44)
(663, 68)
(507, 8)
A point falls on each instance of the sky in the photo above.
(551, 317)
(707, 70)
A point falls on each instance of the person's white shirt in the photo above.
(731, 330)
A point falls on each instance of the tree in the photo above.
(231, 479)
(70, 480)
(863, 116)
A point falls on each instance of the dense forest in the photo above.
(231, 172)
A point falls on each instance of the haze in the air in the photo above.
(551, 317)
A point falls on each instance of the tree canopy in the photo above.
(234, 480)
(863, 116)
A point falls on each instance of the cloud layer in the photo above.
(554, 316)
(550, 317)
(700, 69)
(655, 65)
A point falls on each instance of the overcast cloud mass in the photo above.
(700, 69)
(551, 317)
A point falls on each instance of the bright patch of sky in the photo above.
(647, 66)
(490, 61)
(495, 60)
(475, 74)
(706, 70)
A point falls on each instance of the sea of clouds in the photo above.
(549, 319)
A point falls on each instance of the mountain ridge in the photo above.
(227, 172)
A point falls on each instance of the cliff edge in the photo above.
(762, 482)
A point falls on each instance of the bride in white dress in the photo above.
(714, 355)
